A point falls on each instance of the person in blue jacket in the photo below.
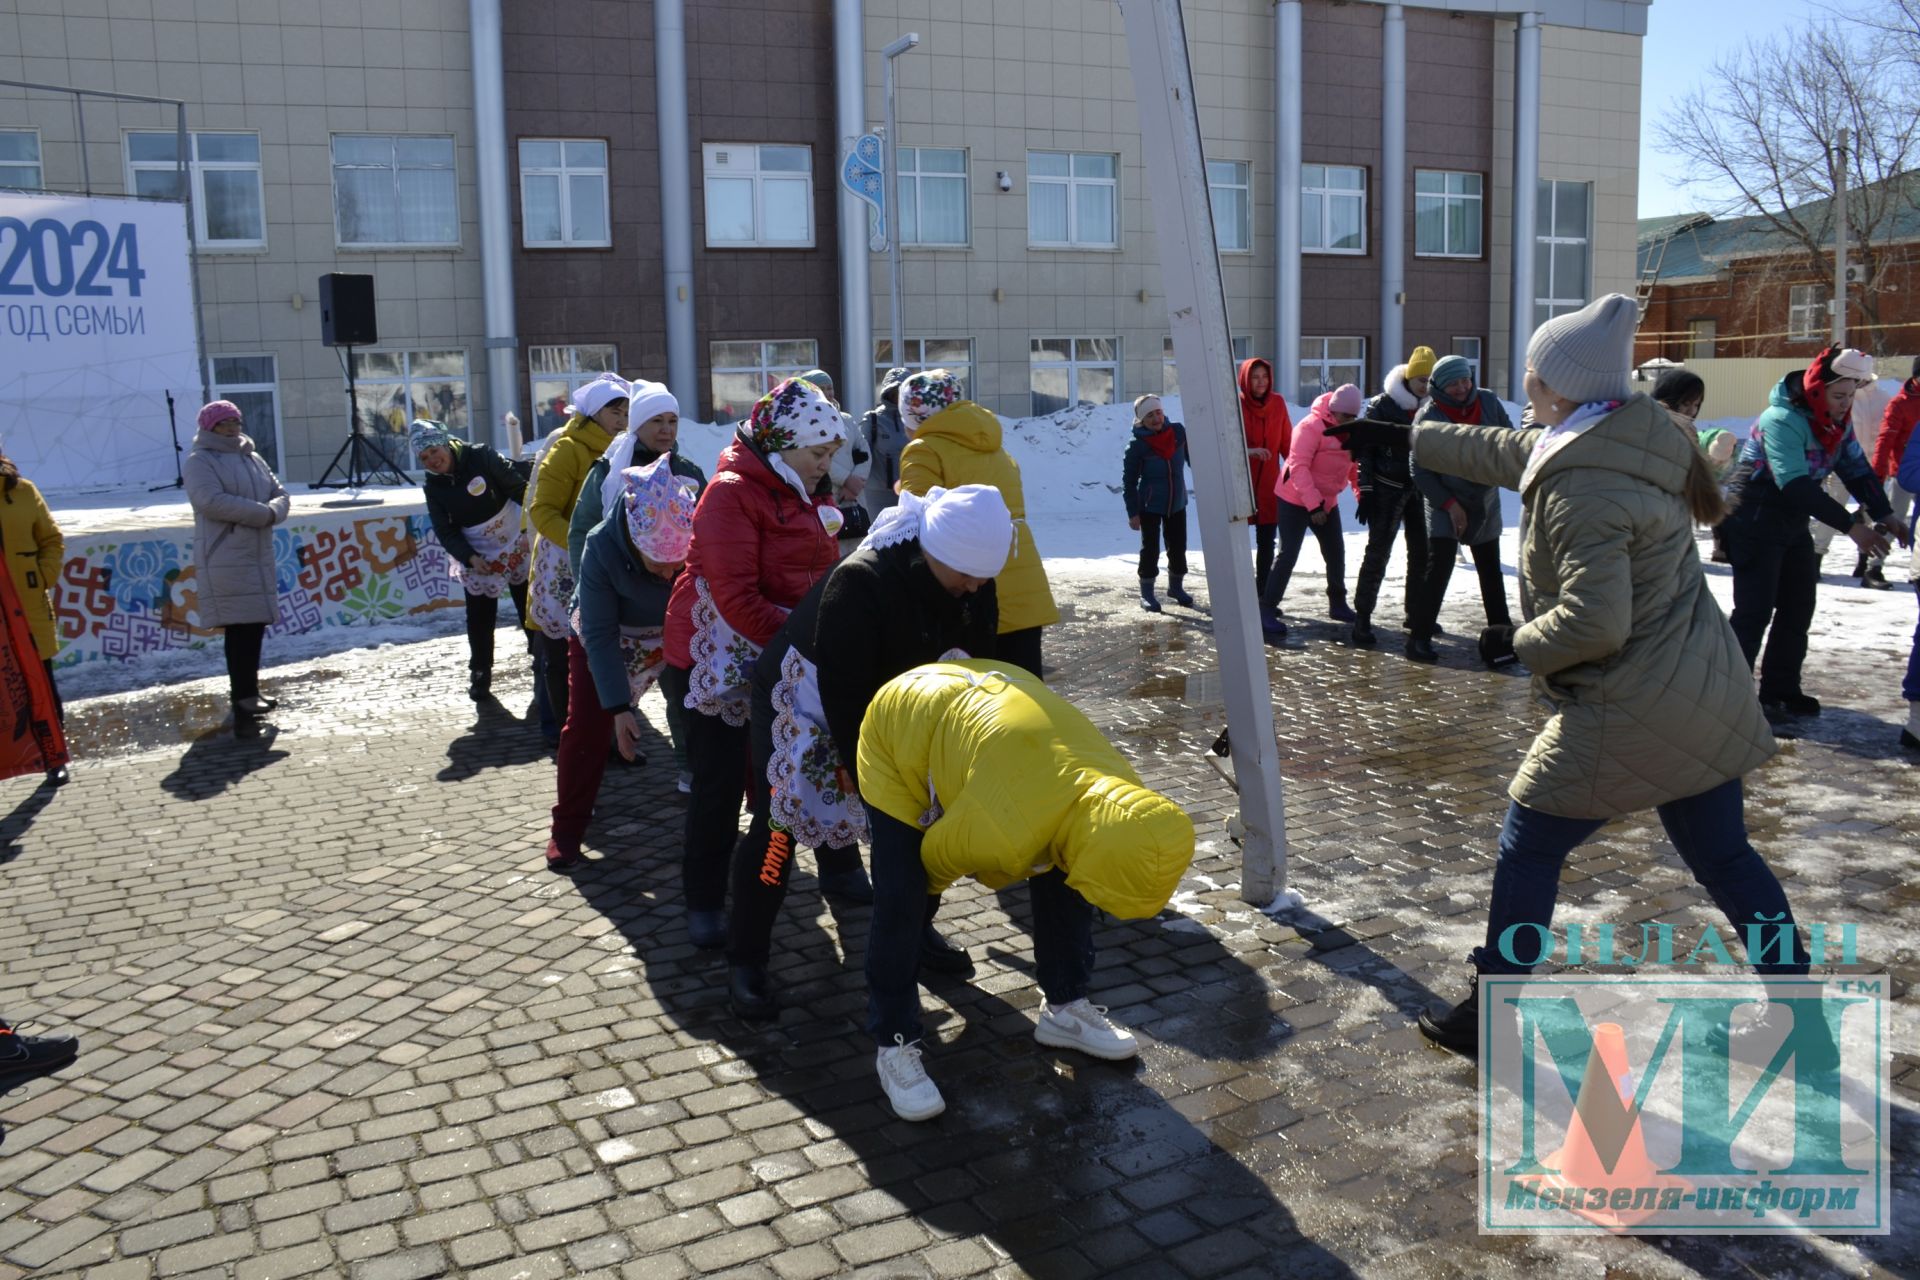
(1908, 478)
(1804, 436)
(1153, 480)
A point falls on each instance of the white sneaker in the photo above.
(914, 1097)
(1085, 1026)
(684, 783)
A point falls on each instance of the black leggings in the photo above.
(1263, 539)
(483, 615)
(1425, 615)
(1021, 648)
(1388, 509)
(718, 757)
(243, 643)
(553, 670)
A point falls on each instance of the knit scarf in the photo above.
(1468, 413)
(1162, 443)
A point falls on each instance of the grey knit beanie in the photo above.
(1587, 355)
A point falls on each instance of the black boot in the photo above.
(1457, 1028)
(479, 681)
(748, 992)
(1363, 637)
(1148, 601)
(1874, 579)
(941, 956)
(1496, 647)
(1178, 594)
(1420, 649)
(23, 1057)
(851, 885)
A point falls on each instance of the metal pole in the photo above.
(1526, 182)
(185, 171)
(1287, 74)
(1197, 315)
(496, 219)
(676, 199)
(1393, 187)
(891, 163)
(1840, 240)
(856, 285)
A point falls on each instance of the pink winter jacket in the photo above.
(1318, 466)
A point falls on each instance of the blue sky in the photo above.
(1684, 39)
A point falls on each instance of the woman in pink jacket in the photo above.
(1318, 468)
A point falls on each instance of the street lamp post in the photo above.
(890, 163)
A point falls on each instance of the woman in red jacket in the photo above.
(1269, 434)
(760, 540)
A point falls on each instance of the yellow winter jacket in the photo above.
(557, 487)
(961, 445)
(1007, 779)
(34, 551)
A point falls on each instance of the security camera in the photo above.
(1005, 180)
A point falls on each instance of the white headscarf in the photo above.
(649, 400)
(967, 528)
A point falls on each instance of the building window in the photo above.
(742, 372)
(1807, 312)
(1446, 213)
(229, 210)
(1170, 373)
(394, 191)
(933, 195)
(392, 388)
(556, 371)
(20, 159)
(1070, 371)
(1468, 349)
(253, 383)
(1326, 363)
(563, 193)
(1072, 200)
(955, 355)
(1561, 248)
(758, 196)
(1230, 191)
(1333, 208)
(1701, 335)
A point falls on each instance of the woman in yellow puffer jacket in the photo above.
(977, 769)
(954, 442)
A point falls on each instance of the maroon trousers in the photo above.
(582, 757)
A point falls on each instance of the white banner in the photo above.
(96, 328)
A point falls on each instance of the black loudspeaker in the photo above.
(346, 311)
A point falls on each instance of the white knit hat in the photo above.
(1587, 355)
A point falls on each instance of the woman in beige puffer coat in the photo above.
(237, 501)
(1652, 705)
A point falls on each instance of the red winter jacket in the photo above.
(1268, 427)
(758, 545)
(1896, 425)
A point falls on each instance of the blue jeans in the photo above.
(1710, 832)
(1910, 687)
(1062, 932)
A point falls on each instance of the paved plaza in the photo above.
(338, 1020)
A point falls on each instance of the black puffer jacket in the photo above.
(472, 491)
(879, 613)
(1389, 465)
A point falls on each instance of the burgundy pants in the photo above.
(582, 758)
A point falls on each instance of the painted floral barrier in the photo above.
(124, 594)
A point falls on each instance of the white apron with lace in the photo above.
(723, 661)
(499, 539)
(805, 772)
(643, 651)
(550, 593)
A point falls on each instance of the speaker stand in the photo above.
(179, 480)
(366, 463)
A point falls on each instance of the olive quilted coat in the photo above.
(1651, 699)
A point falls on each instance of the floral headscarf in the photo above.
(925, 394)
(794, 415)
(427, 434)
(659, 507)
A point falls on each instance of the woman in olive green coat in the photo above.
(1652, 701)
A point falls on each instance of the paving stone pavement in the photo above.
(338, 1020)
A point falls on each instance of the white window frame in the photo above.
(223, 390)
(763, 366)
(383, 432)
(1703, 331)
(917, 349)
(1325, 362)
(1447, 200)
(1073, 365)
(1326, 194)
(1241, 346)
(1548, 293)
(574, 374)
(1073, 185)
(1243, 184)
(39, 161)
(1807, 315)
(452, 169)
(710, 154)
(197, 169)
(1459, 345)
(566, 172)
(917, 177)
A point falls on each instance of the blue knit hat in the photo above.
(1450, 369)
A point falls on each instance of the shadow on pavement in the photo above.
(16, 823)
(219, 759)
(497, 739)
(1058, 1160)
